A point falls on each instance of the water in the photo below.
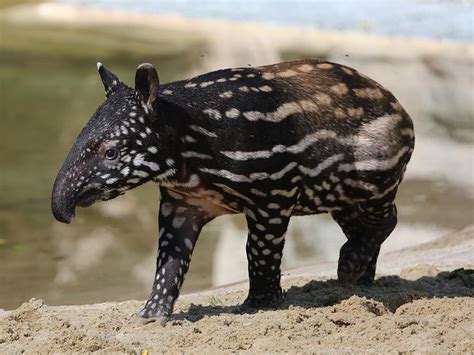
(435, 19)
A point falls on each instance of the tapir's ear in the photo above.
(147, 84)
(110, 81)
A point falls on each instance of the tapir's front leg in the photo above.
(180, 225)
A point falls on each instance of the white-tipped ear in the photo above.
(147, 84)
(111, 81)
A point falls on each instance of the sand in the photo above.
(428, 308)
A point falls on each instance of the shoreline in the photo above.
(421, 309)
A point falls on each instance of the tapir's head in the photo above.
(118, 148)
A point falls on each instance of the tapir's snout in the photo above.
(62, 201)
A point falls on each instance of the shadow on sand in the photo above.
(391, 291)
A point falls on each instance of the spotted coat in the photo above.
(272, 142)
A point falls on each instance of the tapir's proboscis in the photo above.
(290, 139)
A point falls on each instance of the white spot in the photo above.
(324, 66)
(178, 221)
(232, 113)
(206, 84)
(152, 149)
(305, 68)
(226, 95)
(340, 89)
(249, 213)
(190, 85)
(166, 209)
(257, 192)
(188, 139)
(111, 181)
(168, 92)
(214, 114)
(188, 243)
(265, 88)
(125, 171)
(132, 114)
(369, 93)
(140, 173)
(268, 76)
(287, 73)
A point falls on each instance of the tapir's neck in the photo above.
(171, 121)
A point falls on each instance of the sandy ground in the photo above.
(426, 307)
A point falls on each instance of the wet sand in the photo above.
(426, 307)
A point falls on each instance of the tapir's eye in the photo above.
(111, 153)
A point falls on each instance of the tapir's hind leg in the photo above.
(366, 226)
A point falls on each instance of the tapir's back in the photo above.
(308, 109)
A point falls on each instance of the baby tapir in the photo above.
(272, 142)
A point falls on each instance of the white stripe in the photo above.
(252, 177)
(299, 147)
(386, 192)
(285, 193)
(190, 154)
(321, 166)
(283, 111)
(374, 164)
(202, 131)
(359, 184)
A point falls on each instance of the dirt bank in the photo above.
(427, 309)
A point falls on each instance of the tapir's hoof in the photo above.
(140, 318)
(270, 300)
(356, 264)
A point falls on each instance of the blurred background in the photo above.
(421, 50)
